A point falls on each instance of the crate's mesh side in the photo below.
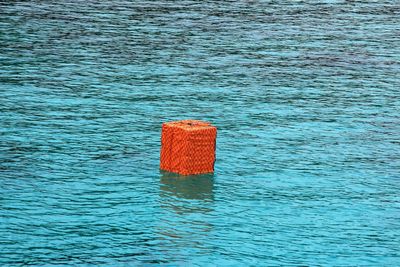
(188, 147)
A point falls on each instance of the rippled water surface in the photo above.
(305, 95)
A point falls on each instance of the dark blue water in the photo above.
(305, 95)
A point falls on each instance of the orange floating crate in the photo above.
(188, 147)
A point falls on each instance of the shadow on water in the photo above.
(188, 201)
(186, 194)
(192, 187)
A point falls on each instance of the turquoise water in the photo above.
(307, 104)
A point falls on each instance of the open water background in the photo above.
(306, 98)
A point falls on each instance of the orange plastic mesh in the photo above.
(188, 147)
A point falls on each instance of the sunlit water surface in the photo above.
(305, 97)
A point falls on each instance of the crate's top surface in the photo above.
(190, 125)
